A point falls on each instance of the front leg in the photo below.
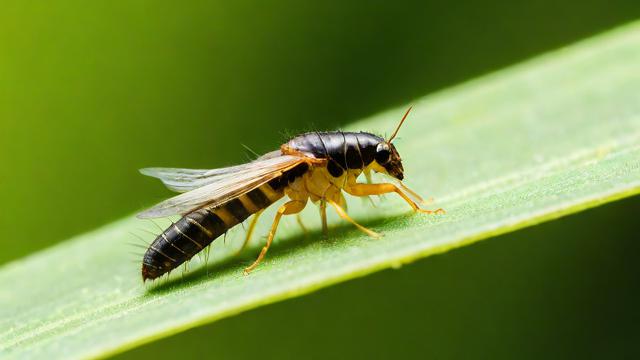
(358, 189)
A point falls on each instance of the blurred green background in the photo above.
(92, 91)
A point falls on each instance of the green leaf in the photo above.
(550, 137)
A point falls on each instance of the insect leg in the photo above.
(291, 207)
(367, 175)
(343, 202)
(343, 214)
(299, 220)
(417, 197)
(385, 188)
(323, 217)
(252, 226)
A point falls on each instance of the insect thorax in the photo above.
(343, 150)
(318, 183)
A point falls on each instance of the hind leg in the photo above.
(291, 207)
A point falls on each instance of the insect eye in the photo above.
(382, 153)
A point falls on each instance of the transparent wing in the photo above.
(183, 180)
(221, 185)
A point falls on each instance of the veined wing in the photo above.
(224, 185)
(183, 180)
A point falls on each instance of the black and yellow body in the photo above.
(196, 230)
(327, 164)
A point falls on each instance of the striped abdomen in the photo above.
(196, 230)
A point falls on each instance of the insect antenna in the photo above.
(400, 124)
